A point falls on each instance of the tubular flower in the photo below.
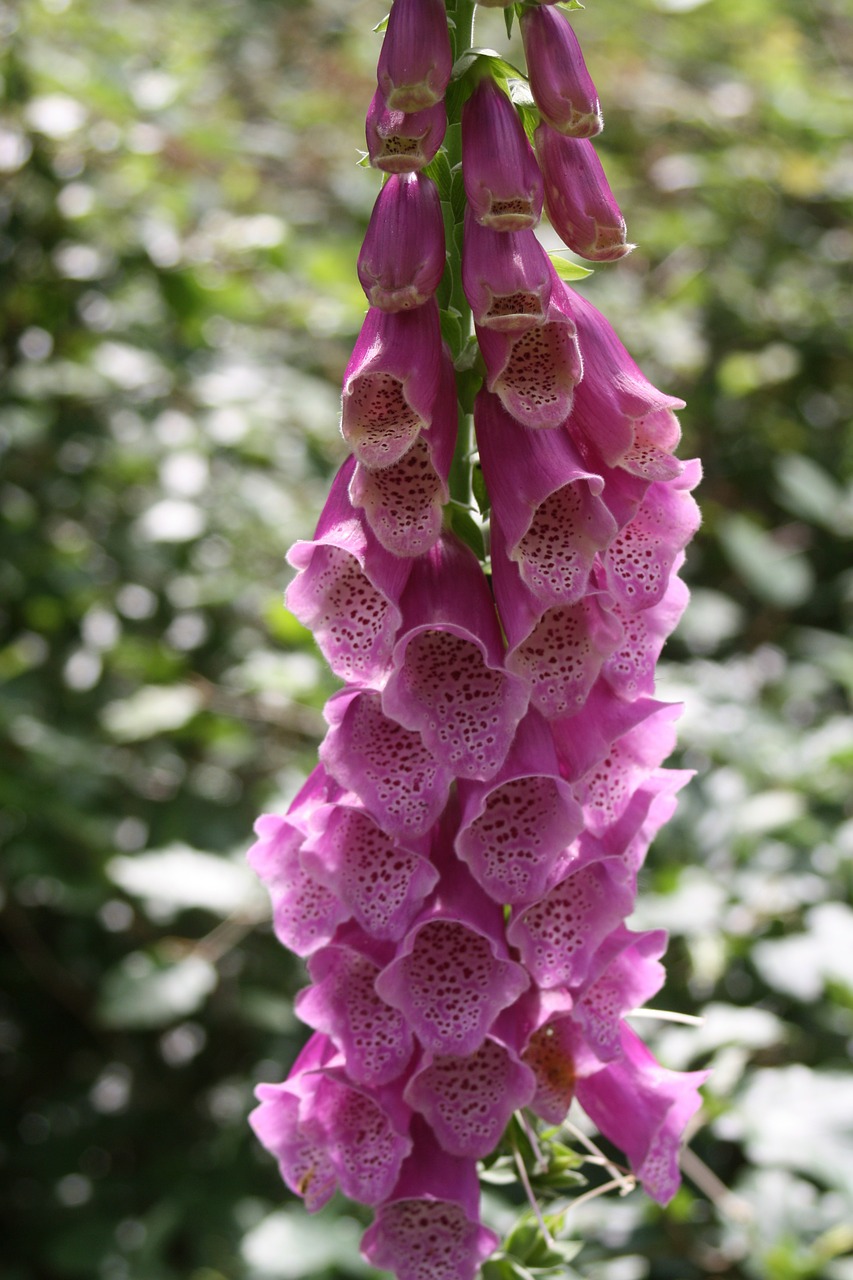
(503, 183)
(416, 58)
(458, 869)
(400, 141)
(402, 258)
(561, 85)
(578, 199)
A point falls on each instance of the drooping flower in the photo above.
(400, 141)
(415, 58)
(580, 205)
(503, 183)
(391, 383)
(561, 85)
(506, 276)
(402, 257)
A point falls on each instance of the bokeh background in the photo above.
(180, 212)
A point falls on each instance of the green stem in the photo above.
(463, 13)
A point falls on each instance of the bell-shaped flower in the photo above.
(383, 882)
(400, 141)
(535, 372)
(347, 589)
(514, 828)
(388, 766)
(404, 503)
(305, 913)
(561, 85)
(360, 1138)
(452, 974)
(605, 790)
(584, 740)
(626, 973)
(557, 937)
(467, 1101)
(631, 669)
(502, 180)
(548, 504)
(616, 410)
(448, 680)
(558, 651)
(507, 277)
(415, 59)
(342, 1002)
(429, 1228)
(578, 200)
(402, 257)
(643, 1109)
(639, 561)
(391, 383)
(304, 1161)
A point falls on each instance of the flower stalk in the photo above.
(459, 868)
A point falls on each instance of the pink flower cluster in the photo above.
(458, 869)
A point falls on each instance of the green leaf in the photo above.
(566, 269)
(439, 170)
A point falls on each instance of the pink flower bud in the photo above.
(561, 85)
(502, 179)
(402, 258)
(578, 199)
(402, 142)
(506, 276)
(391, 383)
(415, 59)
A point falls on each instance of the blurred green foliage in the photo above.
(179, 220)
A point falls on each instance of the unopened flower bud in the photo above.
(502, 179)
(506, 276)
(402, 142)
(561, 85)
(578, 198)
(402, 257)
(415, 60)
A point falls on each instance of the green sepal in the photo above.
(509, 16)
(499, 1171)
(527, 1242)
(570, 5)
(566, 269)
(382, 24)
(467, 530)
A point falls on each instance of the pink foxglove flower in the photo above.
(347, 589)
(391, 383)
(506, 276)
(403, 142)
(548, 505)
(467, 1100)
(514, 829)
(401, 261)
(403, 502)
(578, 199)
(561, 85)
(415, 59)
(643, 1108)
(502, 179)
(448, 681)
(534, 373)
(429, 1228)
(617, 412)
